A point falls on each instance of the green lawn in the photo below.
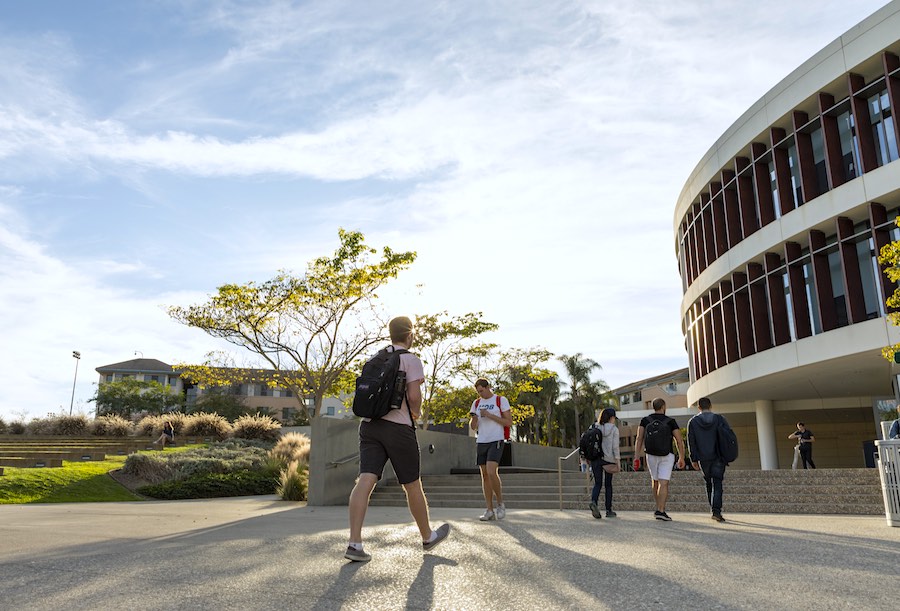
(74, 482)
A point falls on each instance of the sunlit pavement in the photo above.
(262, 553)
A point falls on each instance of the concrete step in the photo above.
(79, 455)
(27, 463)
(823, 491)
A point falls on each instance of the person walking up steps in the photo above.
(489, 416)
(654, 436)
(606, 464)
(805, 439)
(703, 444)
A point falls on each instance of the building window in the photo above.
(849, 145)
(329, 411)
(264, 391)
(796, 188)
(818, 147)
(151, 378)
(109, 377)
(285, 413)
(883, 128)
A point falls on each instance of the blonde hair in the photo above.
(400, 329)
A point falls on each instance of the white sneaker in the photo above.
(487, 516)
(500, 512)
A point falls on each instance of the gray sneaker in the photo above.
(500, 512)
(442, 532)
(610, 513)
(487, 516)
(595, 511)
(356, 555)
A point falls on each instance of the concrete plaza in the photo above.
(261, 553)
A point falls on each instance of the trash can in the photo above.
(889, 470)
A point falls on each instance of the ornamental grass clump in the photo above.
(110, 425)
(256, 427)
(152, 468)
(152, 426)
(72, 426)
(291, 447)
(3, 427)
(293, 482)
(17, 427)
(39, 426)
(203, 424)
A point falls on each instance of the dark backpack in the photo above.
(726, 442)
(591, 443)
(375, 387)
(658, 437)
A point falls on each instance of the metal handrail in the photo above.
(559, 460)
(343, 461)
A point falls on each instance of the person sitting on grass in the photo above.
(168, 434)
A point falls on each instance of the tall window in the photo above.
(837, 287)
(796, 188)
(865, 252)
(790, 306)
(773, 185)
(849, 145)
(811, 297)
(883, 128)
(818, 147)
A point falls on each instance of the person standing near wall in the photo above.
(805, 438)
(489, 416)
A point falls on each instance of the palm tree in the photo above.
(579, 369)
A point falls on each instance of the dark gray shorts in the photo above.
(492, 451)
(380, 441)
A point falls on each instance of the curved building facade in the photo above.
(777, 232)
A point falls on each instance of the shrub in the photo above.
(39, 426)
(240, 483)
(148, 467)
(206, 425)
(293, 482)
(3, 427)
(291, 447)
(111, 425)
(256, 427)
(152, 426)
(16, 428)
(70, 425)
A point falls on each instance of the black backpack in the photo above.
(658, 437)
(591, 443)
(376, 384)
(726, 442)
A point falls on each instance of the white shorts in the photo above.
(660, 466)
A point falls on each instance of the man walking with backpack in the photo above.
(654, 436)
(491, 418)
(705, 430)
(392, 436)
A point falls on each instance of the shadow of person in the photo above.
(421, 590)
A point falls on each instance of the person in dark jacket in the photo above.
(703, 448)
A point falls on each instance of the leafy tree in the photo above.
(452, 404)
(890, 257)
(132, 396)
(307, 329)
(222, 400)
(545, 430)
(446, 345)
(516, 375)
(579, 369)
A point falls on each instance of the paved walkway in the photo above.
(261, 553)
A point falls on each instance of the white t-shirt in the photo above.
(415, 374)
(488, 430)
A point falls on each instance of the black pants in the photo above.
(601, 477)
(713, 474)
(806, 456)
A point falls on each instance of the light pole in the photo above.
(77, 356)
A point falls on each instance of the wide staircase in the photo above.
(818, 491)
(50, 451)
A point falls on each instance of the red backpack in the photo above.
(505, 428)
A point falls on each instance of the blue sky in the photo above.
(530, 152)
